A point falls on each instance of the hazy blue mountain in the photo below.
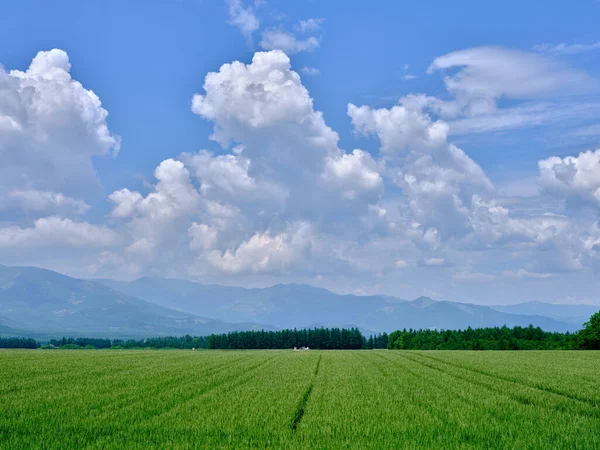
(36, 300)
(424, 312)
(295, 305)
(577, 314)
(291, 305)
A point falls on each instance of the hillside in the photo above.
(576, 314)
(37, 300)
(296, 305)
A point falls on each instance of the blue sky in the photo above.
(469, 120)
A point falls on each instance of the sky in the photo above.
(448, 149)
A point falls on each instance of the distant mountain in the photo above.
(291, 305)
(576, 314)
(427, 313)
(38, 301)
(296, 305)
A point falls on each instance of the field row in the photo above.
(310, 399)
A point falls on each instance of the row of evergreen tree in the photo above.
(517, 338)
(15, 342)
(497, 338)
(317, 338)
(504, 338)
(182, 342)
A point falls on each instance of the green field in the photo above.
(307, 399)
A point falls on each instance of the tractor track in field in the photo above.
(301, 408)
(122, 398)
(234, 380)
(539, 387)
(517, 398)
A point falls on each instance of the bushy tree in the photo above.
(589, 336)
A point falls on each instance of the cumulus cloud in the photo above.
(249, 101)
(438, 179)
(398, 128)
(266, 252)
(203, 236)
(282, 199)
(353, 173)
(288, 149)
(57, 232)
(50, 129)
(574, 177)
(31, 201)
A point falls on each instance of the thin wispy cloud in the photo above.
(567, 49)
(311, 71)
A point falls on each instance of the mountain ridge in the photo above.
(34, 300)
(40, 300)
(283, 305)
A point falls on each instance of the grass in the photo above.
(311, 399)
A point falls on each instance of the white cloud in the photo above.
(567, 49)
(264, 107)
(486, 74)
(473, 277)
(402, 264)
(437, 178)
(282, 200)
(310, 71)
(266, 251)
(50, 129)
(32, 201)
(524, 274)
(243, 17)
(433, 262)
(287, 42)
(398, 128)
(310, 25)
(353, 173)
(203, 236)
(57, 232)
(243, 100)
(574, 177)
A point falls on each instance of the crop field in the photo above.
(306, 399)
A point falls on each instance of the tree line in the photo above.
(498, 338)
(16, 342)
(317, 338)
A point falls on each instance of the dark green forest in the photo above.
(317, 338)
(16, 342)
(504, 338)
(497, 338)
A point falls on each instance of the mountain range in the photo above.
(40, 302)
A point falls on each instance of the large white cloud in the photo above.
(53, 232)
(265, 251)
(438, 179)
(264, 107)
(281, 198)
(50, 129)
(574, 177)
